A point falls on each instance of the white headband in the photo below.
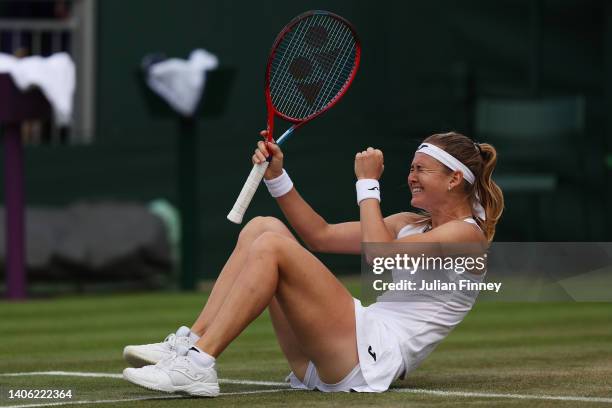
(452, 163)
(448, 160)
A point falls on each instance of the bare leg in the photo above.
(317, 307)
(286, 338)
(251, 231)
(288, 341)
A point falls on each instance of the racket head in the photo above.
(311, 65)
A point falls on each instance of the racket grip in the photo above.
(247, 193)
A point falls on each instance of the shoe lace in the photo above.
(171, 340)
(173, 357)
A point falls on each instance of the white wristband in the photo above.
(367, 188)
(280, 185)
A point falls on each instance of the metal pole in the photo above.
(14, 194)
(188, 201)
(607, 136)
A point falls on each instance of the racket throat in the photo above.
(270, 127)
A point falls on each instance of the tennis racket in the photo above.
(312, 63)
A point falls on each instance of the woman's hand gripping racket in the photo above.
(311, 65)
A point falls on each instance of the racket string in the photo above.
(292, 53)
(284, 80)
(286, 96)
(295, 98)
(294, 34)
(333, 28)
(326, 97)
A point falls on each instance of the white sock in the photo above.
(200, 357)
(193, 337)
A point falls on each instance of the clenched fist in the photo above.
(265, 150)
(369, 164)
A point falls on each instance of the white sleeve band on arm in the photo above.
(367, 188)
(280, 185)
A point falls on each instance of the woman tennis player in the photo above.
(332, 342)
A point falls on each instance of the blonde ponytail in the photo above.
(481, 159)
(491, 196)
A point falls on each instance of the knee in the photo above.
(260, 225)
(270, 243)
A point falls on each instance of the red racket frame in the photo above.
(299, 122)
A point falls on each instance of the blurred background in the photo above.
(531, 77)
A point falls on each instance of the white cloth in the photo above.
(367, 188)
(394, 337)
(379, 355)
(353, 381)
(447, 159)
(411, 329)
(378, 347)
(181, 82)
(54, 75)
(280, 185)
(454, 164)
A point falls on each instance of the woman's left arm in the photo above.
(369, 164)
(373, 228)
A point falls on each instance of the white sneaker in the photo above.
(146, 354)
(178, 373)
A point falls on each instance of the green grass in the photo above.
(538, 349)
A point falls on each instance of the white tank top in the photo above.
(412, 229)
(421, 325)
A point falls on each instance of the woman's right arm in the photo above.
(316, 233)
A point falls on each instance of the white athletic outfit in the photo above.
(394, 337)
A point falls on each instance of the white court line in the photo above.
(111, 375)
(53, 404)
(253, 382)
(497, 395)
(63, 373)
(270, 383)
(256, 392)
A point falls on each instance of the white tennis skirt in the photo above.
(380, 358)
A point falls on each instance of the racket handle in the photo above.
(247, 193)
